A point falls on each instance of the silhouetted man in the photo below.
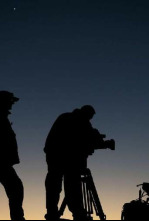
(9, 157)
(67, 148)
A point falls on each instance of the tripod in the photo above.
(90, 197)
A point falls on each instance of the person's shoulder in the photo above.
(64, 116)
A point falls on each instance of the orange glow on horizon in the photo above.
(34, 207)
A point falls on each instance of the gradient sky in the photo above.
(62, 55)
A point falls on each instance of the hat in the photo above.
(8, 96)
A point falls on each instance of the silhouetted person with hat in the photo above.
(9, 157)
(67, 148)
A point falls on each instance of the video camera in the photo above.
(100, 143)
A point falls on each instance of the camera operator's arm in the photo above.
(94, 141)
(97, 139)
(100, 143)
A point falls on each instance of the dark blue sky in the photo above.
(62, 55)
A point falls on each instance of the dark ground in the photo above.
(70, 220)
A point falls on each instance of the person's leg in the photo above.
(73, 192)
(53, 185)
(15, 192)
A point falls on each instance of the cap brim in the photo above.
(15, 99)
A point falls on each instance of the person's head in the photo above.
(88, 111)
(7, 99)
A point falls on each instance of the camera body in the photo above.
(100, 143)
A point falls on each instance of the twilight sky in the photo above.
(62, 55)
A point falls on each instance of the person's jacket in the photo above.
(8, 144)
(69, 139)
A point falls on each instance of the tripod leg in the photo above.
(90, 202)
(95, 198)
(84, 191)
(87, 198)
